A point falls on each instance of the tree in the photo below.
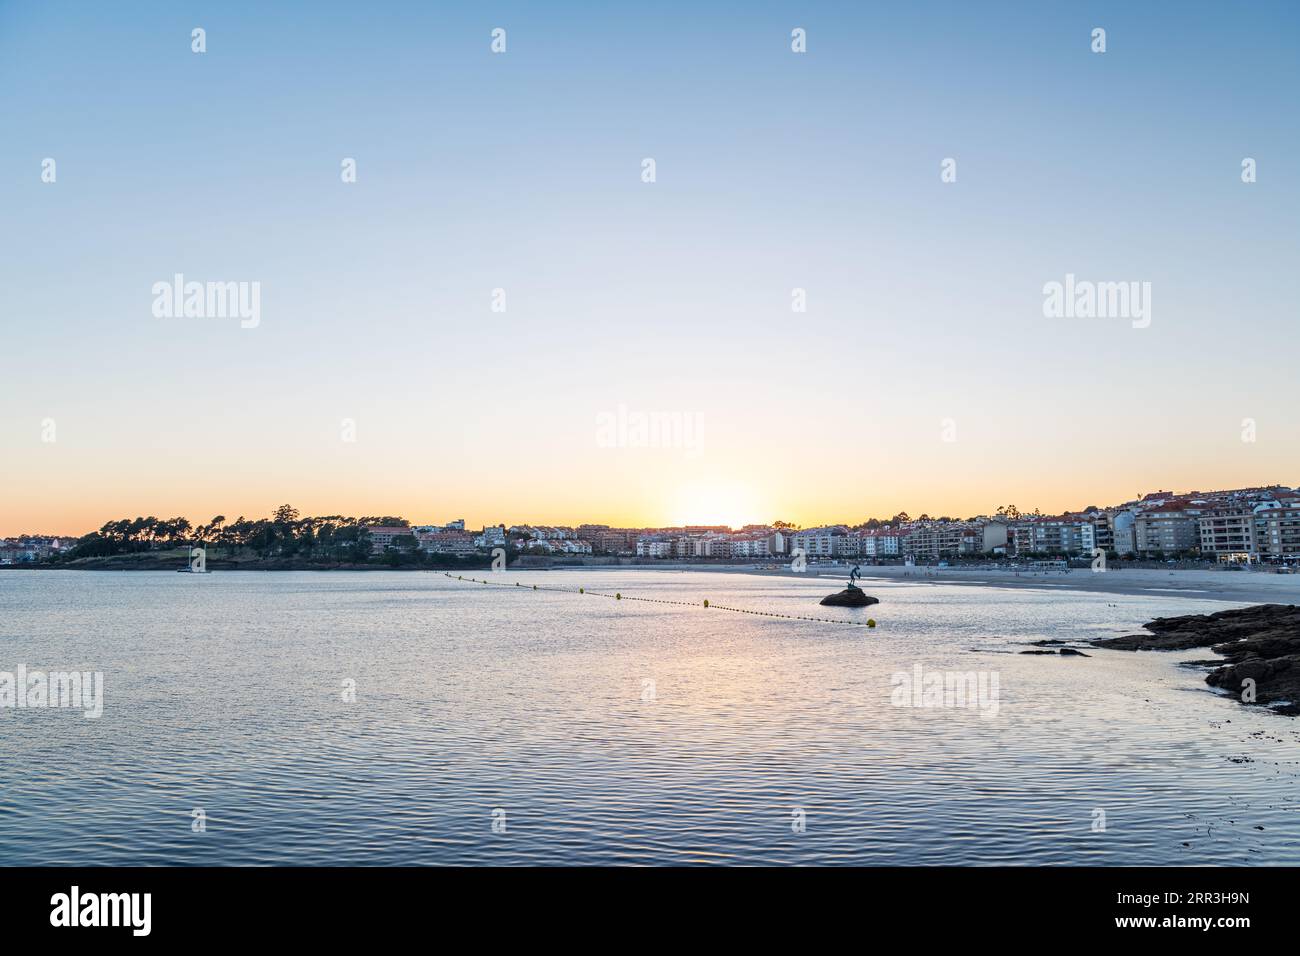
(361, 545)
(285, 515)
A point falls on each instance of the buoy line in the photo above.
(619, 596)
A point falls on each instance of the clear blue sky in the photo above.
(521, 171)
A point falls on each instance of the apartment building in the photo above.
(848, 545)
(557, 546)
(881, 543)
(935, 540)
(444, 542)
(751, 546)
(654, 548)
(611, 540)
(1067, 534)
(1166, 529)
(381, 536)
(1103, 530)
(1277, 531)
(817, 542)
(1228, 532)
(1123, 532)
(708, 545)
(1020, 537)
(993, 536)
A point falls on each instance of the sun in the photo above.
(716, 502)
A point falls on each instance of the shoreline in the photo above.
(1258, 648)
(1243, 587)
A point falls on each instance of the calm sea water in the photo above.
(603, 732)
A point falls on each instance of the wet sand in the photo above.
(1247, 587)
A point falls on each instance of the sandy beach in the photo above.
(1247, 587)
(1244, 586)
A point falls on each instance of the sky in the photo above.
(379, 379)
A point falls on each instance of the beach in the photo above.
(1245, 586)
(1265, 587)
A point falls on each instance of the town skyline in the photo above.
(1007, 509)
(1257, 523)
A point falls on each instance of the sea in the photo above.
(418, 718)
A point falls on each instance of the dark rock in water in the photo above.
(1038, 652)
(1260, 644)
(1277, 681)
(1206, 630)
(1071, 652)
(849, 597)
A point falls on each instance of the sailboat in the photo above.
(198, 563)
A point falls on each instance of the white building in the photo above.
(653, 548)
(816, 542)
(881, 543)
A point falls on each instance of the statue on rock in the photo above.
(851, 596)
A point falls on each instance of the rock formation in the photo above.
(1260, 645)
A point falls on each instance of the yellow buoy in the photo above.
(582, 590)
(706, 602)
(618, 597)
(871, 622)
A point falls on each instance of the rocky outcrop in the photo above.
(1276, 681)
(1260, 644)
(849, 597)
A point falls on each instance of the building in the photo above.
(993, 536)
(1123, 532)
(653, 548)
(557, 546)
(382, 536)
(816, 542)
(1229, 534)
(610, 540)
(1067, 534)
(882, 543)
(934, 540)
(445, 542)
(848, 545)
(1277, 532)
(1020, 536)
(1103, 532)
(1167, 529)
